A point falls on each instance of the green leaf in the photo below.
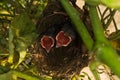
(7, 76)
(24, 33)
(112, 3)
(22, 25)
(109, 3)
(21, 48)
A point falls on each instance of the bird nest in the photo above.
(62, 61)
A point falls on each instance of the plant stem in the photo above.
(93, 67)
(114, 22)
(25, 76)
(11, 47)
(96, 23)
(112, 13)
(104, 13)
(74, 15)
(103, 49)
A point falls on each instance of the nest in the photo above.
(64, 61)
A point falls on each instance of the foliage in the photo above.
(102, 48)
(109, 3)
(18, 32)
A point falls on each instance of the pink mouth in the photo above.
(47, 42)
(62, 39)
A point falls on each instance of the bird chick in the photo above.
(47, 42)
(65, 36)
(47, 39)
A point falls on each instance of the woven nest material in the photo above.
(60, 62)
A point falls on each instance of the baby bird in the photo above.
(65, 36)
(47, 40)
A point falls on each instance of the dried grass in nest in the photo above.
(61, 63)
(65, 61)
